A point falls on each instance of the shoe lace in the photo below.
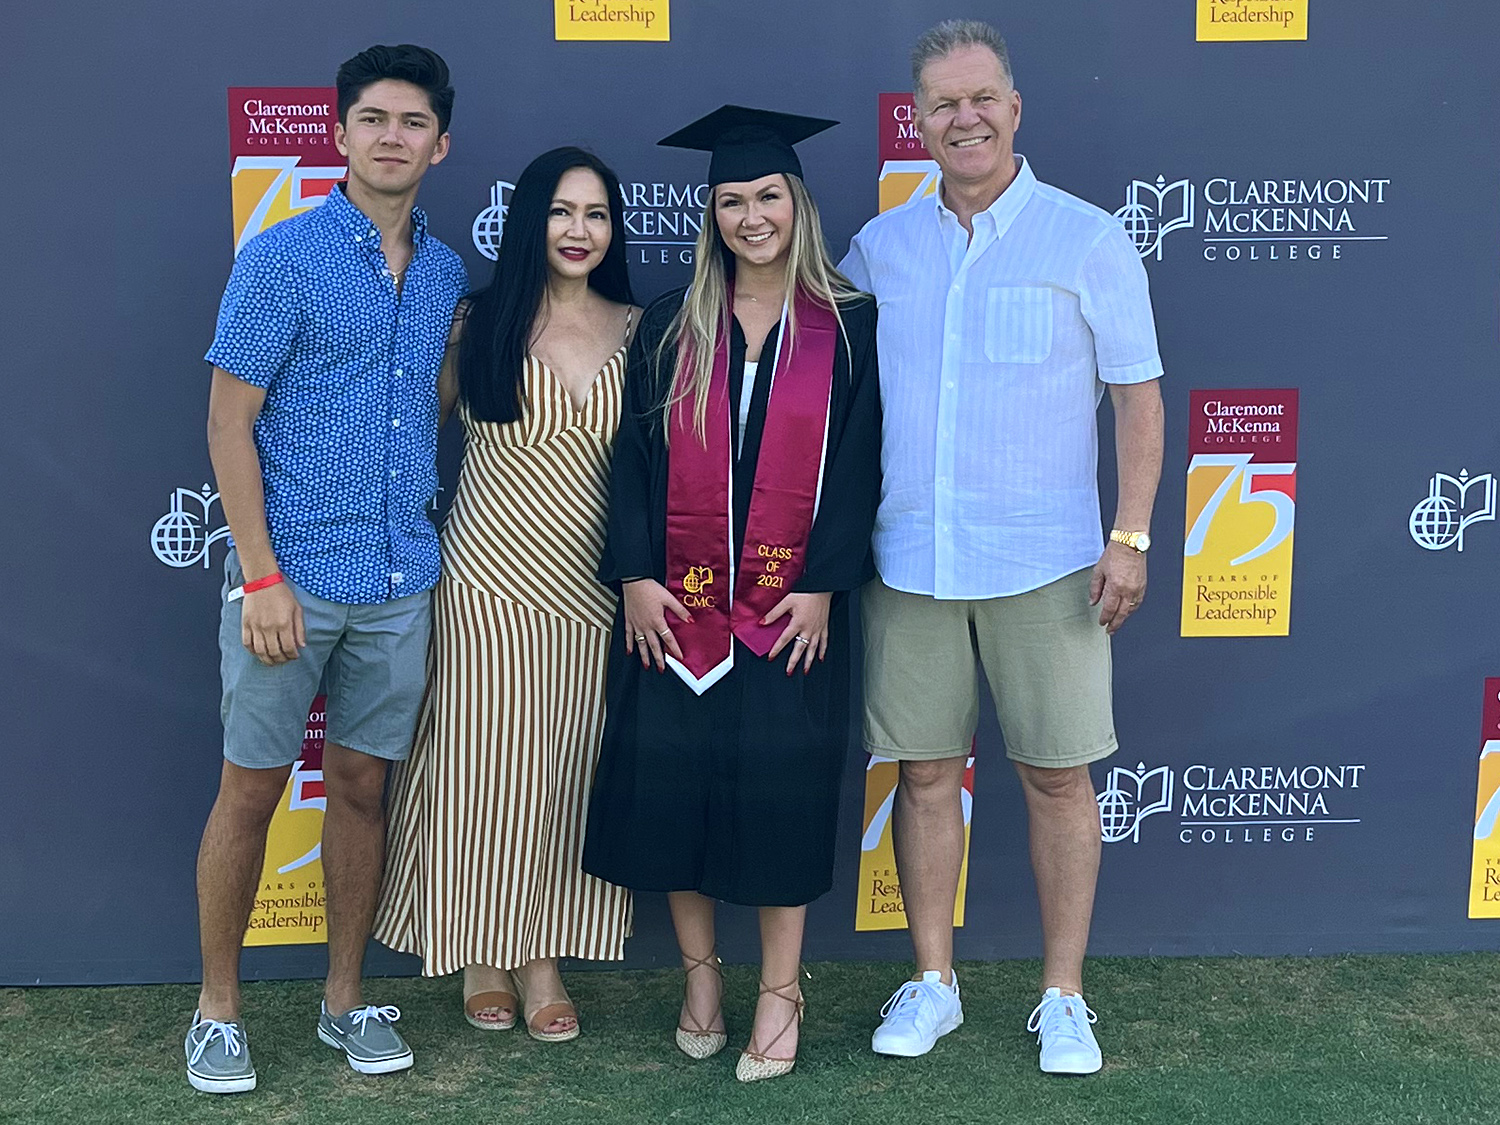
(1062, 1017)
(906, 1002)
(232, 1036)
(387, 1014)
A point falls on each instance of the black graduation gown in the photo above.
(733, 793)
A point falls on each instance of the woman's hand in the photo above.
(806, 631)
(646, 630)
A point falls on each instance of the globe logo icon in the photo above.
(1434, 523)
(177, 539)
(181, 537)
(1117, 815)
(1140, 224)
(489, 224)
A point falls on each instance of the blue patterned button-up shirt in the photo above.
(348, 434)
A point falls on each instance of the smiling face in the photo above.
(755, 218)
(578, 224)
(967, 116)
(390, 137)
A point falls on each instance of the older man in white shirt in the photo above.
(1006, 307)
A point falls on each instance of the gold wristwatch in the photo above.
(1135, 540)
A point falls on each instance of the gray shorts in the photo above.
(1044, 653)
(375, 660)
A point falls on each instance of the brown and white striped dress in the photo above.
(487, 817)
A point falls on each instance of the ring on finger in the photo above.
(800, 641)
(664, 632)
(640, 636)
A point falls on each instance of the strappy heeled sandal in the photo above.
(476, 1002)
(755, 1066)
(537, 1021)
(701, 1042)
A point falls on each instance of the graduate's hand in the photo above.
(646, 630)
(808, 615)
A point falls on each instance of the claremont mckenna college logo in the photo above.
(1230, 804)
(183, 536)
(662, 221)
(1451, 506)
(489, 224)
(1255, 220)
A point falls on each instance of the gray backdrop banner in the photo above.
(1362, 721)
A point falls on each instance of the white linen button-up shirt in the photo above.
(994, 352)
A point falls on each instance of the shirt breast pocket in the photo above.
(1018, 324)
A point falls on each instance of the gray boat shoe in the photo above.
(367, 1038)
(218, 1057)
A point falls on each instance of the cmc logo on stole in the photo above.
(1241, 507)
(1223, 21)
(1484, 878)
(641, 20)
(906, 170)
(878, 904)
(289, 904)
(282, 157)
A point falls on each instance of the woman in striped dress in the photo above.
(487, 818)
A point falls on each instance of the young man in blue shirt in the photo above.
(323, 420)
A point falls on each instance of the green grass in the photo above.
(1366, 1040)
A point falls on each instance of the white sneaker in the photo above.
(1062, 1028)
(917, 1015)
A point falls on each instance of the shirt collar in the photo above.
(1004, 210)
(357, 223)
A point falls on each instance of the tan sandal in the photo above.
(476, 1002)
(537, 1021)
(701, 1042)
(755, 1066)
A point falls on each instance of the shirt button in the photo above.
(393, 474)
(395, 423)
(397, 577)
(949, 384)
(398, 372)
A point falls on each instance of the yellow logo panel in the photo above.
(646, 20)
(1484, 879)
(879, 905)
(1241, 511)
(289, 905)
(1228, 21)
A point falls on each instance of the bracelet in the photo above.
(261, 583)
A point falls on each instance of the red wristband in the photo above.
(262, 583)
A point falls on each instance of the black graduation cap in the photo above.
(747, 143)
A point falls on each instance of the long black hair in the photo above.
(497, 331)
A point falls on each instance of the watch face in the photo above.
(1142, 542)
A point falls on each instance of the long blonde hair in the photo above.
(705, 313)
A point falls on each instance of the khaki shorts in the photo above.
(1044, 653)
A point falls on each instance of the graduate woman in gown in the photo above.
(746, 478)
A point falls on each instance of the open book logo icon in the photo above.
(1130, 796)
(1153, 211)
(183, 536)
(1451, 506)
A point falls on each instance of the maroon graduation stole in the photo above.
(728, 600)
